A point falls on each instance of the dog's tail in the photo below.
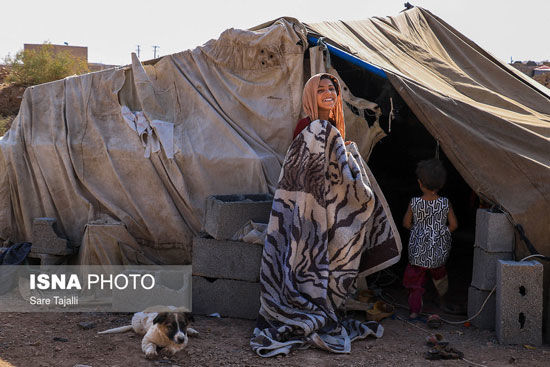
(116, 330)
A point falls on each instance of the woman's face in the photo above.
(326, 95)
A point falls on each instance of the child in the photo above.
(430, 238)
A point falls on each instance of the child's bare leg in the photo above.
(441, 283)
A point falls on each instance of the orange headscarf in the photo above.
(309, 102)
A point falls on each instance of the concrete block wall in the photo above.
(494, 232)
(226, 273)
(494, 241)
(519, 302)
(484, 272)
(226, 214)
(231, 298)
(226, 277)
(226, 259)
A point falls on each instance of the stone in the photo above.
(486, 319)
(484, 272)
(230, 298)
(494, 232)
(45, 239)
(86, 325)
(519, 302)
(226, 259)
(226, 214)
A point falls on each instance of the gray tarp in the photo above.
(71, 154)
(492, 123)
(225, 110)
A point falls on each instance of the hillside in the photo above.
(10, 99)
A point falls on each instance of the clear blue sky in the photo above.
(112, 29)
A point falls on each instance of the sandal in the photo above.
(380, 311)
(443, 352)
(434, 321)
(436, 339)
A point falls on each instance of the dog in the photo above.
(160, 330)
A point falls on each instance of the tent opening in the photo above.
(393, 162)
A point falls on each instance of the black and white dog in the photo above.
(164, 330)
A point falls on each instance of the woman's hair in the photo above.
(431, 173)
(309, 102)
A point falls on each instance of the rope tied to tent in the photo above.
(321, 43)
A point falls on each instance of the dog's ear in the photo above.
(160, 318)
(189, 317)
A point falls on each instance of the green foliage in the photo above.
(5, 123)
(43, 65)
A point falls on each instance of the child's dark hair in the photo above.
(431, 173)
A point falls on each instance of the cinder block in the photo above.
(226, 259)
(486, 319)
(45, 240)
(46, 259)
(519, 302)
(484, 272)
(231, 298)
(226, 214)
(494, 232)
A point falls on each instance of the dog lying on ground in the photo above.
(164, 330)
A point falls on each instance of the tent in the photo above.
(492, 122)
(124, 158)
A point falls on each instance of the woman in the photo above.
(322, 101)
(316, 234)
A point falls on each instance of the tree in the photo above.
(43, 65)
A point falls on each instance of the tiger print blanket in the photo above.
(324, 217)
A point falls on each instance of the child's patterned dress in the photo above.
(430, 240)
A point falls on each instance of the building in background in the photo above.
(80, 52)
(543, 69)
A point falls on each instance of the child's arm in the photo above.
(453, 223)
(407, 219)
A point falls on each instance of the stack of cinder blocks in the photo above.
(494, 240)
(226, 273)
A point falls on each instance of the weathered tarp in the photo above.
(492, 123)
(143, 146)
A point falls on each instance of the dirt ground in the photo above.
(57, 339)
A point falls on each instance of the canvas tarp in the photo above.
(135, 151)
(492, 123)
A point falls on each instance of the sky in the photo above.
(112, 29)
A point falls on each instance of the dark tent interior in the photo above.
(393, 162)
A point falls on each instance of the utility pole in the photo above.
(138, 49)
(155, 51)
